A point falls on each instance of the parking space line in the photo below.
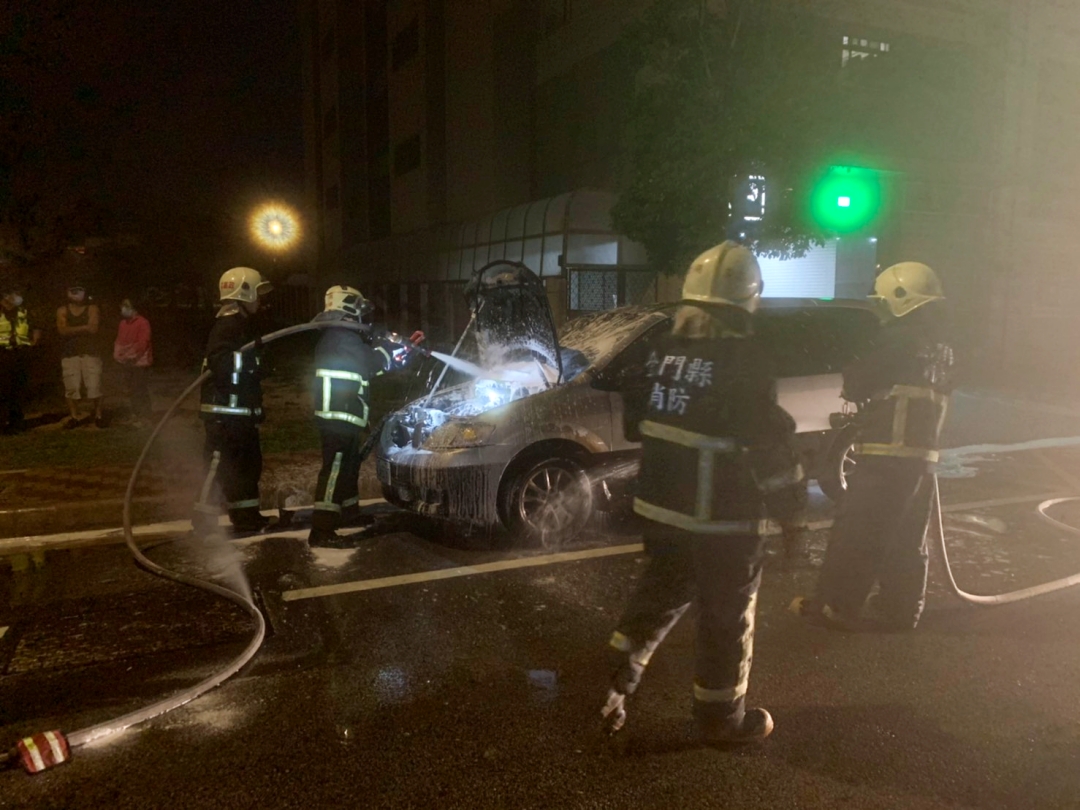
(570, 556)
(462, 571)
(997, 449)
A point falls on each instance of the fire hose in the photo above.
(1011, 596)
(47, 749)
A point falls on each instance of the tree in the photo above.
(723, 91)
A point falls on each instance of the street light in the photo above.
(275, 227)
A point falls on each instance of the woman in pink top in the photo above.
(134, 352)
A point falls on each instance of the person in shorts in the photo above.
(78, 322)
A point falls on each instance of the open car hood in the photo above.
(514, 323)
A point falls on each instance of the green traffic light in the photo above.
(847, 199)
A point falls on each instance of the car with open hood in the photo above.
(535, 443)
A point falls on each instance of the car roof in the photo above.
(603, 334)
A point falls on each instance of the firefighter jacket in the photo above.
(903, 384)
(346, 361)
(234, 389)
(718, 454)
(14, 328)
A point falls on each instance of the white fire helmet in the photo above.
(348, 300)
(725, 274)
(242, 284)
(905, 287)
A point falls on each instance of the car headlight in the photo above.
(451, 435)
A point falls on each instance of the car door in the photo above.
(809, 348)
(629, 363)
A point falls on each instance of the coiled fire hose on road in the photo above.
(1011, 596)
(44, 750)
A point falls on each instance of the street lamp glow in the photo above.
(275, 227)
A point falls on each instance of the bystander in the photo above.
(78, 322)
(133, 350)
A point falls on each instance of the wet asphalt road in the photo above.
(482, 690)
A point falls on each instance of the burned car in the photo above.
(535, 442)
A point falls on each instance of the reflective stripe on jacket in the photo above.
(235, 385)
(914, 429)
(346, 361)
(718, 453)
(14, 332)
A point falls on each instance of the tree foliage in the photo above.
(723, 90)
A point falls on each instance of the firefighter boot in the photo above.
(352, 516)
(626, 675)
(248, 521)
(739, 727)
(327, 538)
(824, 616)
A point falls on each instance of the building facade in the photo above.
(445, 133)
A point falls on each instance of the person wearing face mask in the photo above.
(17, 336)
(134, 352)
(78, 322)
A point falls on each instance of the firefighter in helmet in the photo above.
(718, 460)
(346, 363)
(902, 386)
(231, 407)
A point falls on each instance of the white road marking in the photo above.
(15, 545)
(3, 631)
(991, 449)
(570, 556)
(463, 571)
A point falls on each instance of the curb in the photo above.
(35, 544)
(76, 515)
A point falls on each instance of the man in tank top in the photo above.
(78, 322)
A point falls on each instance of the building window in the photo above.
(407, 155)
(329, 121)
(860, 49)
(332, 196)
(327, 49)
(406, 45)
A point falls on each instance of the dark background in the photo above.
(144, 133)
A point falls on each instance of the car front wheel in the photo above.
(549, 502)
(838, 465)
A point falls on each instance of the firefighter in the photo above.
(718, 459)
(231, 407)
(346, 363)
(17, 336)
(902, 385)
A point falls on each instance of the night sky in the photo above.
(154, 112)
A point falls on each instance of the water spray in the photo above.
(457, 348)
(47, 749)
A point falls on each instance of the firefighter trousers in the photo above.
(880, 537)
(337, 489)
(13, 384)
(233, 458)
(721, 575)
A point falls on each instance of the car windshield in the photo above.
(602, 335)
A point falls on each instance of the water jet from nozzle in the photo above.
(473, 370)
